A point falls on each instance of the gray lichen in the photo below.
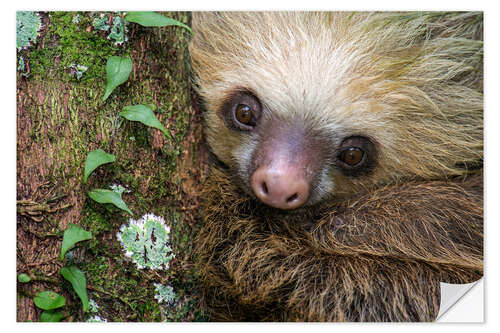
(119, 30)
(165, 294)
(100, 23)
(28, 25)
(78, 70)
(147, 242)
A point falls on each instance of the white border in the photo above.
(8, 140)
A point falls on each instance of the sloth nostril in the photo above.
(292, 198)
(284, 188)
(264, 188)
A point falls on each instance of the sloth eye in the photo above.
(244, 114)
(242, 111)
(352, 156)
(356, 156)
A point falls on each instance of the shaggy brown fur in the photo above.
(367, 248)
(379, 257)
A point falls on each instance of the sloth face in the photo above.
(288, 162)
(304, 107)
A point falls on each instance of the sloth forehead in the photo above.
(299, 76)
(323, 89)
(295, 64)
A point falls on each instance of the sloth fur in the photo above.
(373, 247)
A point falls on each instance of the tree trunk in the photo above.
(60, 119)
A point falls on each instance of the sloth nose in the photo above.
(280, 188)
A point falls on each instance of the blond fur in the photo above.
(411, 82)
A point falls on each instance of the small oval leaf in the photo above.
(24, 278)
(79, 283)
(49, 300)
(117, 72)
(73, 235)
(145, 115)
(51, 317)
(95, 159)
(152, 19)
(107, 196)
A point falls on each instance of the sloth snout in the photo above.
(283, 188)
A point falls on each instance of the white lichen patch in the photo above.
(93, 313)
(117, 188)
(76, 19)
(96, 319)
(93, 307)
(165, 294)
(117, 28)
(100, 23)
(147, 242)
(78, 70)
(119, 31)
(28, 25)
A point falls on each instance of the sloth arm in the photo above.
(384, 253)
(438, 222)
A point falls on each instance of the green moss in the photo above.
(20, 65)
(96, 271)
(141, 134)
(73, 45)
(125, 176)
(125, 297)
(96, 222)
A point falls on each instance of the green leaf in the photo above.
(95, 159)
(24, 278)
(49, 300)
(73, 235)
(145, 115)
(77, 279)
(108, 196)
(152, 19)
(51, 317)
(117, 72)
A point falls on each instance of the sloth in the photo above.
(346, 181)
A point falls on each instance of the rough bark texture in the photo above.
(60, 119)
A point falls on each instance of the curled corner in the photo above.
(461, 302)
